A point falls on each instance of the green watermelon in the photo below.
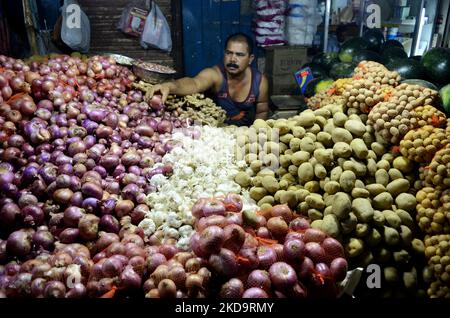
(350, 47)
(318, 85)
(392, 43)
(375, 38)
(407, 68)
(437, 65)
(415, 81)
(317, 69)
(366, 55)
(392, 53)
(326, 60)
(342, 70)
(444, 92)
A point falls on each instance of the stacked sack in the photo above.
(269, 22)
(301, 22)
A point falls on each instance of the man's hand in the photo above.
(163, 89)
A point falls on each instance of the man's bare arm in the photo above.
(186, 85)
(262, 106)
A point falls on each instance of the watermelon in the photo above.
(318, 85)
(375, 38)
(392, 43)
(416, 81)
(393, 53)
(326, 60)
(366, 55)
(407, 68)
(342, 70)
(437, 65)
(444, 92)
(350, 47)
(317, 69)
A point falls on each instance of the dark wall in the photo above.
(105, 37)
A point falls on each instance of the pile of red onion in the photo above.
(77, 148)
(272, 253)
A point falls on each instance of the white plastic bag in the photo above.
(132, 20)
(75, 29)
(156, 30)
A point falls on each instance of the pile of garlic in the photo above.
(203, 167)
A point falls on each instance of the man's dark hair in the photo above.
(241, 37)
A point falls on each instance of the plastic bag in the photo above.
(75, 27)
(134, 15)
(156, 31)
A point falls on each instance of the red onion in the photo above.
(234, 237)
(315, 252)
(168, 250)
(233, 202)
(314, 235)
(294, 250)
(32, 215)
(333, 249)
(338, 269)
(266, 256)
(69, 235)
(111, 267)
(88, 226)
(255, 292)
(259, 278)
(92, 189)
(130, 279)
(19, 243)
(55, 289)
(211, 239)
(109, 224)
(224, 263)
(282, 275)
(234, 288)
(123, 207)
(78, 291)
(306, 269)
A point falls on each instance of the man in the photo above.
(242, 91)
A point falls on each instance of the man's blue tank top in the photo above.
(239, 113)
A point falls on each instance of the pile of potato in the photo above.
(332, 170)
(364, 94)
(433, 214)
(376, 73)
(437, 251)
(420, 145)
(392, 121)
(429, 115)
(437, 173)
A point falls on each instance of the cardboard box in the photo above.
(285, 60)
(283, 85)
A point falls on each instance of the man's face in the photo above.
(237, 58)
